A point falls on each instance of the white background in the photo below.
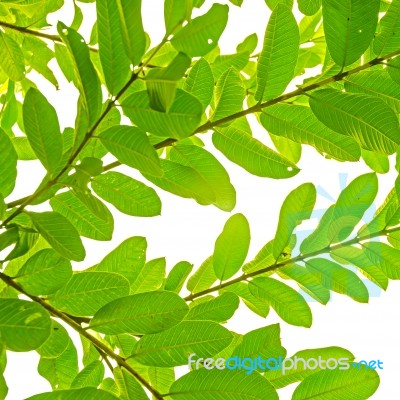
(187, 231)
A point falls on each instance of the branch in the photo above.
(103, 349)
(31, 32)
(261, 106)
(300, 257)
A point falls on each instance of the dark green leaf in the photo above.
(287, 303)
(179, 122)
(175, 13)
(42, 129)
(231, 247)
(252, 155)
(133, 35)
(309, 7)
(200, 82)
(297, 207)
(83, 218)
(127, 194)
(171, 348)
(229, 95)
(353, 383)
(222, 385)
(115, 63)
(372, 123)
(60, 234)
(201, 34)
(91, 376)
(88, 82)
(140, 314)
(210, 169)
(338, 279)
(349, 28)
(24, 325)
(131, 146)
(219, 309)
(11, 58)
(177, 276)
(75, 394)
(299, 124)
(44, 273)
(87, 292)
(278, 58)
(8, 165)
(184, 181)
(298, 373)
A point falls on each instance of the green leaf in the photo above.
(11, 58)
(183, 181)
(260, 307)
(56, 343)
(387, 39)
(298, 372)
(218, 309)
(351, 205)
(75, 394)
(128, 259)
(87, 80)
(131, 26)
(264, 258)
(175, 13)
(171, 348)
(60, 234)
(177, 276)
(338, 279)
(87, 292)
(200, 82)
(287, 303)
(228, 96)
(299, 124)
(8, 165)
(203, 277)
(252, 155)
(384, 257)
(179, 122)
(222, 385)
(201, 34)
(91, 376)
(82, 217)
(43, 129)
(224, 62)
(127, 194)
(377, 162)
(60, 371)
(273, 3)
(210, 169)
(24, 325)
(307, 282)
(150, 277)
(44, 273)
(278, 57)
(139, 314)
(376, 84)
(162, 83)
(297, 207)
(368, 120)
(129, 387)
(349, 28)
(368, 266)
(231, 247)
(309, 7)
(393, 70)
(132, 147)
(264, 342)
(357, 384)
(115, 63)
